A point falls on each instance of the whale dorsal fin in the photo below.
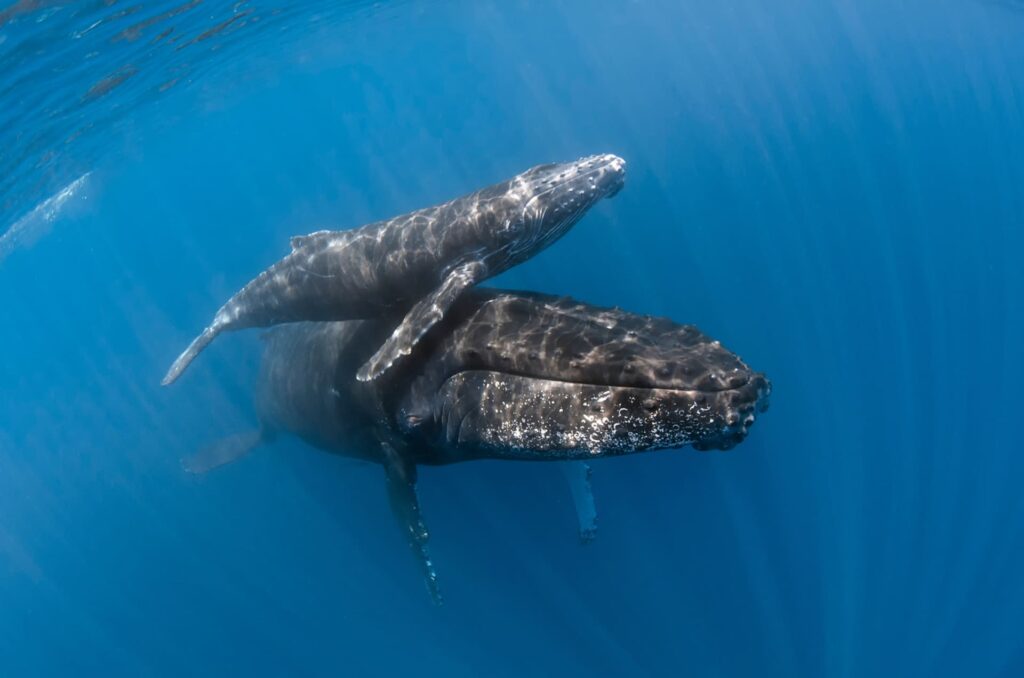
(421, 318)
(298, 241)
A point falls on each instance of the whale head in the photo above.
(541, 204)
(526, 376)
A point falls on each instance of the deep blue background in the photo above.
(833, 189)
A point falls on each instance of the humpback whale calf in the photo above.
(504, 375)
(425, 259)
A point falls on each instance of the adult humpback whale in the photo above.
(430, 257)
(504, 375)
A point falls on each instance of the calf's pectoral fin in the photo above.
(421, 318)
(225, 451)
(578, 474)
(401, 484)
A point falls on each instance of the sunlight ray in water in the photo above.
(27, 230)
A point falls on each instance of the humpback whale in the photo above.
(503, 375)
(419, 262)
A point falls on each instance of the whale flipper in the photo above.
(578, 473)
(401, 483)
(421, 318)
(225, 451)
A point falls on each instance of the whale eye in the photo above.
(511, 226)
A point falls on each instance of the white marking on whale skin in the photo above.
(27, 230)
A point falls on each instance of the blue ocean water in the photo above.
(832, 188)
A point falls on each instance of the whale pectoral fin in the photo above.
(578, 474)
(224, 451)
(421, 318)
(401, 483)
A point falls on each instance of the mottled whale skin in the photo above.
(504, 375)
(424, 260)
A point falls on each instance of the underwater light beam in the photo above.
(27, 230)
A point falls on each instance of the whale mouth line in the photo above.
(695, 392)
(515, 416)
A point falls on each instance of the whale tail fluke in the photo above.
(225, 451)
(189, 354)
